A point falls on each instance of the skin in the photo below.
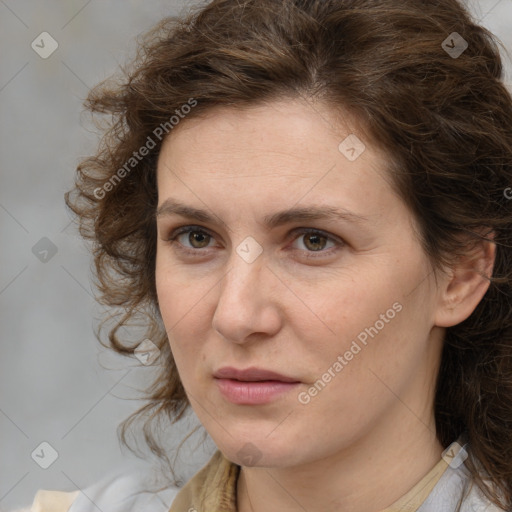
(368, 436)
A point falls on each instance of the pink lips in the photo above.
(252, 386)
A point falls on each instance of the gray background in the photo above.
(57, 383)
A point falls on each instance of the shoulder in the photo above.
(56, 501)
(456, 489)
(119, 491)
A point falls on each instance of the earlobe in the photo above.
(466, 284)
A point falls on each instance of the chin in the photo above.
(260, 451)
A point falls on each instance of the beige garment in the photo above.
(213, 489)
(53, 501)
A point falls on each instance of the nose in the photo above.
(247, 303)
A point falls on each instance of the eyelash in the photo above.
(171, 239)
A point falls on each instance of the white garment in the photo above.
(449, 490)
(123, 491)
(119, 491)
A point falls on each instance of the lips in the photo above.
(251, 375)
(252, 386)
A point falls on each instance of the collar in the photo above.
(214, 486)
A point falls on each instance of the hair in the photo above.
(444, 120)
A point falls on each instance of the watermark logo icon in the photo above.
(44, 45)
(455, 45)
(44, 455)
(147, 352)
(249, 250)
(44, 250)
(455, 455)
(249, 454)
(352, 147)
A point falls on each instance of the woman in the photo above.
(307, 200)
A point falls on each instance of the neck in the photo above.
(370, 474)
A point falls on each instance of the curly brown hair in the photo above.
(445, 120)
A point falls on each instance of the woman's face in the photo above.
(341, 306)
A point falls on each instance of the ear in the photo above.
(465, 283)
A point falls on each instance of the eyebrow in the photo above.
(307, 213)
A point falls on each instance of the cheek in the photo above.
(371, 320)
(353, 381)
(380, 346)
(349, 308)
(369, 338)
(183, 307)
(181, 291)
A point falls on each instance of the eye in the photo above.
(195, 239)
(315, 241)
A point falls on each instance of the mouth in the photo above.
(252, 386)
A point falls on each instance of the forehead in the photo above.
(269, 137)
(286, 151)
